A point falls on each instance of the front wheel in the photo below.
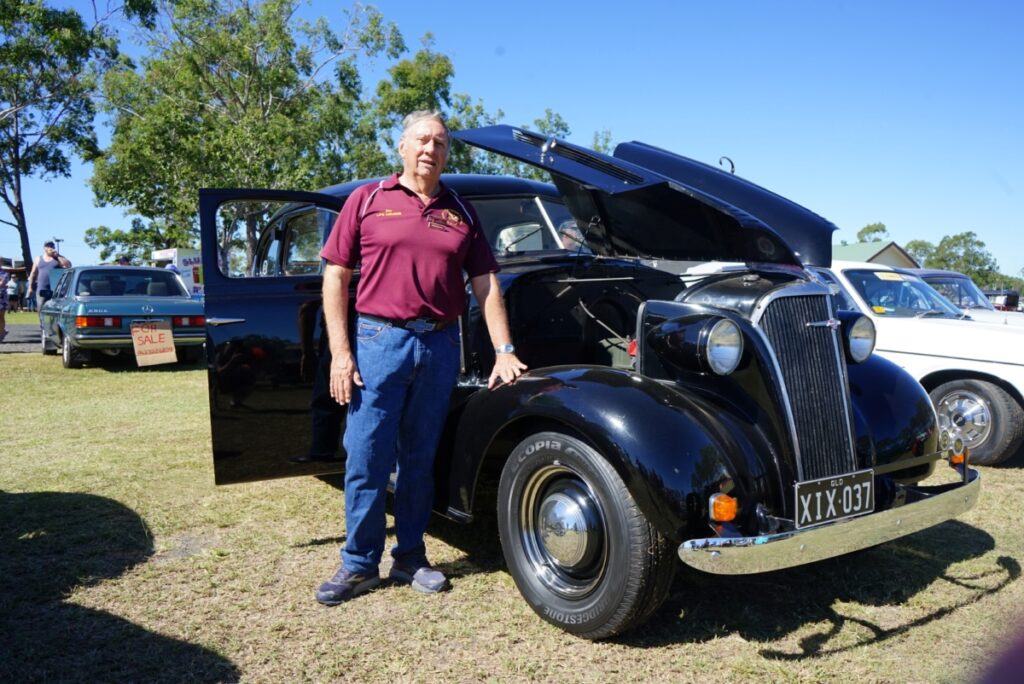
(989, 420)
(72, 356)
(579, 549)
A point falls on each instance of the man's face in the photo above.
(424, 149)
(50, 249)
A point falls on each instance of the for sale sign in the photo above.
(153, 342)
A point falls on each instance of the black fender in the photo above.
(671, 448)
(894, 419)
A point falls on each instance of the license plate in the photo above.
(834, 498)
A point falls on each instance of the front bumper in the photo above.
(747, 555)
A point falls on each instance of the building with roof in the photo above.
(877, 252)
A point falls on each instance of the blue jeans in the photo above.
(395, 422)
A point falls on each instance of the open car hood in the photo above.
(626, 209)
(808, 234)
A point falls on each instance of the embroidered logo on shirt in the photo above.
(387, 213)
(444, 220)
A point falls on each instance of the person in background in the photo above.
(413, 240)
(39, 278)
(5, 279)
(13, 294)
(123, 261)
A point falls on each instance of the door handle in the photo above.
(224, 321)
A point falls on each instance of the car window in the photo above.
(961, 291)
(841, 300)
(61, 290)
(302, 242)
(527, 224)
(126, 282)
(889, 293)
(268, 260)
(260, 238)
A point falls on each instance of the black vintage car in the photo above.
(737, 423)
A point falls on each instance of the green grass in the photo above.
(22, 317)
(122, 562)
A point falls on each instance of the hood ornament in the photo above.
(830, 323)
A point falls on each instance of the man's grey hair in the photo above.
(413, 118)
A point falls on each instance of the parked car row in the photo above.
(94, 308)
(741, 423)
(962, 291)
(973, 371)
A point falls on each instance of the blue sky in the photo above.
(905, 113)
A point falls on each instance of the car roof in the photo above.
(868, 265)
(926, 272)
(474, 184)
(124, 269)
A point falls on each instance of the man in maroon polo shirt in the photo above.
(413, 239)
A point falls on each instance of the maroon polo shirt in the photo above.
(411, 255)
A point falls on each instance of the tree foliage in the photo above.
(921, 250)
(873, 232)
(235, 93)
(50, 60)
(965, 253)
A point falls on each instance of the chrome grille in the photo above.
(814, 374)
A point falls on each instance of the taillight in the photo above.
(97, 321)
(189, 321)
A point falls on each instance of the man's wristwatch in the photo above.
(504, 349)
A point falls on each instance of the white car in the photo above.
(973, 371)
(961, 290)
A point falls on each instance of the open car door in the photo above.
(262, 276)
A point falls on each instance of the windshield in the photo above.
(960, 290)
(900, 295)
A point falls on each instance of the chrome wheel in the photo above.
(967, 414)
(579, 548)
(562, 531)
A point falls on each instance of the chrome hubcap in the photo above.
(966, 414)
(562, 531)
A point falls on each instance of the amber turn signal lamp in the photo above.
(723, 507)
(959, 459)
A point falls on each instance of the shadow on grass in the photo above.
(51, 543)
(835, 605)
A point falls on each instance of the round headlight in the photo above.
(724, 347)
(861, 338)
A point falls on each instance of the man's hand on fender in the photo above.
(507, 368)
(344, 374)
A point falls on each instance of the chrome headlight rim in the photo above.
(723, 347)
(860, 339)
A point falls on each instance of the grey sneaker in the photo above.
(420, 576)
(345, 585)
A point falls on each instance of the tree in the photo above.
(872, 232)
(921, 250)
(49, 64)
(965, 253)
(238, 93)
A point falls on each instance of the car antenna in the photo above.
(732, 167)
